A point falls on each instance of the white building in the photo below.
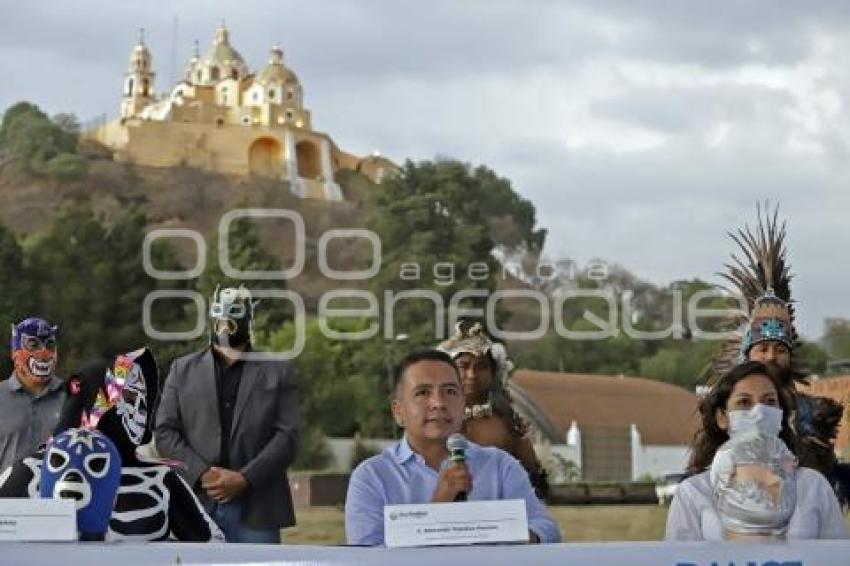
(609, 427)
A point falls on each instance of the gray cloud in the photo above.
(727, 33)
(642, 131)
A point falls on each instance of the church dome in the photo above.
(223, 54)
(222, 61)
(276, 71)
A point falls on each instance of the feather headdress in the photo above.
(761, 276)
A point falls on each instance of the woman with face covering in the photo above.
(760, 274)
(746, 483)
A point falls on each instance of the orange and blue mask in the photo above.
(34, 349)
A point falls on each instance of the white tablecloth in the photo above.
(803, 553)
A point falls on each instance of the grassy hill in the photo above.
(183, 197)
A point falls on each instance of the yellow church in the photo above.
(222, 117)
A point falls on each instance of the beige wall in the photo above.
(226, 148)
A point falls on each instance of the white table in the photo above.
(802, 553)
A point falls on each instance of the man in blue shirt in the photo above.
(428, 403)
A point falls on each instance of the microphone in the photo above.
(456, 443)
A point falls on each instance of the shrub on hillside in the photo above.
(41, 146)
(67, 167)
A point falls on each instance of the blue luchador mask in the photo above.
(83, 465)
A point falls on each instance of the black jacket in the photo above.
(263, 437)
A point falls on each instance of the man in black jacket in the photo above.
(232, 419)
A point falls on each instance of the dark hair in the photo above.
(710, 436)
(421, 356)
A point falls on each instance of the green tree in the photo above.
(610, 356)
(678, 358)
(15, 299)
(339, 385)
(313, 452)
(15, 117)
(71, 265)
(68, 123)
(511, 218)
(440, 215)
(66, 167)
(129, 284)
(40, 145)
(90, 281)
(812, 358)
(681, 362)
(836, 337)
(338, 379)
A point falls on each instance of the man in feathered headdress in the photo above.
(767, 334)
(489, 417)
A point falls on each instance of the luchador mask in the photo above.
(131, 386)
(83, 465)
(132, 401)
(754, 481)
(231, 316)
(34, 349)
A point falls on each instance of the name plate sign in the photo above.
(467, 522)
(38, 520)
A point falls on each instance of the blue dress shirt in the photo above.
(398, 475)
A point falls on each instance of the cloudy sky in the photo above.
(642, 131)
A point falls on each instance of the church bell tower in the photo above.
(138, 82)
